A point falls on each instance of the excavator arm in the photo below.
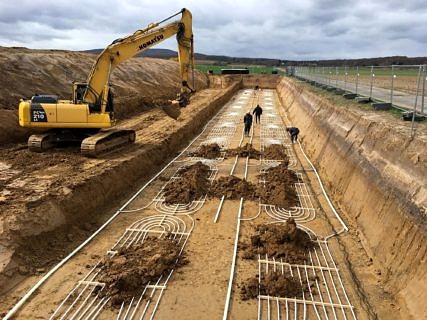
(97, 89)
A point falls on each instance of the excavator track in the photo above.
(41, 142)
(104, 141)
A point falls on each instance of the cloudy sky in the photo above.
(293, 29)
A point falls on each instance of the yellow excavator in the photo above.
(91, 108)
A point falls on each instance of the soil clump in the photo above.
(276, 152)
(130, 270)
(280, 187)
(246, 151)
(191, 184)
(279, 241)
(233, 188)
(208, 151)
(274, 284)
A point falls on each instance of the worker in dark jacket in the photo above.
(293, 131)
(258, 113)
(247, 120)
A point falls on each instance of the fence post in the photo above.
(372, 82)
(416, 102)
(357, 78)
(392, 84)
(345, 81)
(336, 77)
(424, 88)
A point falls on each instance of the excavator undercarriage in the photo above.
(92, 142)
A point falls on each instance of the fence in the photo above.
(403, 86)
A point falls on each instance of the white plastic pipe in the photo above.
(233, 263)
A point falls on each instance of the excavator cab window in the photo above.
(79, 90)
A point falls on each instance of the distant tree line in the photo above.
(381, 61)
(226, 60)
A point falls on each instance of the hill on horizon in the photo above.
(221, 59)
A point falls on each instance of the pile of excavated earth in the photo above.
(191, 184)
(128, 272)
(278, 187)
(207, 151)
(279, 241)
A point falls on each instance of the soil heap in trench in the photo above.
(130, 270)
(191, 184)
(208, 151)
(233, 188)
(276, 152)
(273, 284)
(279, 189)
(246, 151)
(281, 241)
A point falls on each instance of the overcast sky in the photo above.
(300, 29)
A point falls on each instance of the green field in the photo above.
(252, 69)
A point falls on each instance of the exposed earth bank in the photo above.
(377, 174)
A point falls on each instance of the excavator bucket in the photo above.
(173, 109)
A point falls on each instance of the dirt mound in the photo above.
(273, 284)
(280, 187)
(276, 152)
(233, 188)
(246, 151)
(208, 151)
(281, 241)
(192, 184)
(130, 270)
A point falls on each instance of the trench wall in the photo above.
(377, 176)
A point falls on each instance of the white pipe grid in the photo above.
(84, 301)
(326, 297)
(305, 212)
(183, 208)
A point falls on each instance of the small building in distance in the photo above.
(235, 71)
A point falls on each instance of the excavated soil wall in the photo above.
(377, 175)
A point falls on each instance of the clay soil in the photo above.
(273, 284)
(130, 270)
(233, 188)
(208, 151)
(276, 152)
(279, 189)
(281, 241)
(191, 184)
(246, 151)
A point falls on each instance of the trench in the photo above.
(386, 221)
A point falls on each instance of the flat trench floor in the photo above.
(206, 230)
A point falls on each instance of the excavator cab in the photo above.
(79, 90)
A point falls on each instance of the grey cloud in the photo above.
(275, 29)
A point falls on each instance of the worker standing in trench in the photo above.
(247, 120)
(258, 112)
(293, 131)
